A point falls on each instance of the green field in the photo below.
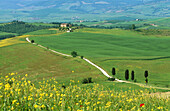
(6, 33)
(42, 64)
(160, 23)
(47, 81)
(42, 32)
(122, 49)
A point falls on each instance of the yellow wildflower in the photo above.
(36, 106)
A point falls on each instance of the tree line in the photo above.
(6, 36)
(21, 27)
(132, 75)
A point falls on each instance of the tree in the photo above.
(32, 41)
(74, 54)
(146, 74)
(146, 81)
(127, 74)
(132, 75)
(113, 71)
(133, 27)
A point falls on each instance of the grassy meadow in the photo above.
(33, 78)
(122, 49)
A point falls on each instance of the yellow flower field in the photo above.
(12, 41)
(18, 93)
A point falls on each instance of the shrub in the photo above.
(135, 80)
(87, 80)
(146, 74)
(74, 54)
(111, 79)
(82, 57)
(113, 71)
(32, 41)
(127, 74)
(63, 86)
(132, 75)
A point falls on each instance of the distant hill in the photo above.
(64, 10)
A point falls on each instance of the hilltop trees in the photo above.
(20, 27)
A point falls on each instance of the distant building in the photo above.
(154, 25)
(65, 25)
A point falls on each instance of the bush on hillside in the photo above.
(87, 80)
(111, 79)
(32, 41)
(82, 57)
(74, 54)
(135, 80)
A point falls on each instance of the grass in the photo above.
(41, 75)
(43, 32)
(40, 63)
(122, 49)
(5, 33)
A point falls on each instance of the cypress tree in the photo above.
(146, 74)
(127, 74)
(132, 75)
(113, 71)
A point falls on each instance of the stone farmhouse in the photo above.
(65, 25)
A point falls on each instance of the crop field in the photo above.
(117, 48)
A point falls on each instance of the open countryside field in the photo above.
(40, 64)
(41, 75)
(117, 48)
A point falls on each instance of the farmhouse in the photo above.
(65, 25)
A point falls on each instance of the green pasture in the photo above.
(42, 64)
(42, 32)
(6, 33)
(122, 49)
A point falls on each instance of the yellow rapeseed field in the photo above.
(12, 41)
(18, 93)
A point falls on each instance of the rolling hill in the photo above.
(56, 10)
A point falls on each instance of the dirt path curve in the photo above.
(103, 71)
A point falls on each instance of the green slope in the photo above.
(117, 48)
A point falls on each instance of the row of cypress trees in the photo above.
(132, 74)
